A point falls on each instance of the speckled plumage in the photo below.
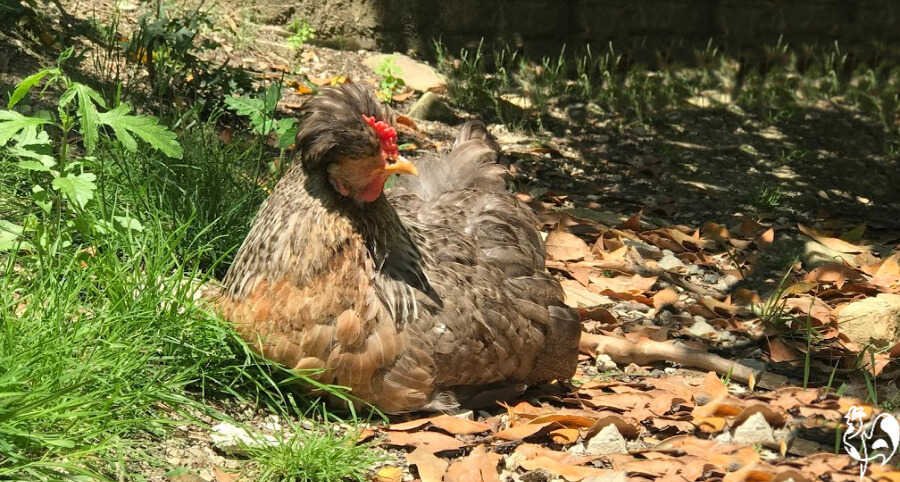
(435, 289)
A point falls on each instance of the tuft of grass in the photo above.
(326, 455)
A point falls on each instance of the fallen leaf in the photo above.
(766, 238)
(562, 464)
(223, 475)
(635, 284)
(432, 441)
(710, 424)
(780, 352)
(459, 426)
(664, 297)
(478, 466)
(565, 246)
(431, 467)
(522, 431)
(832, 243)
(565, 436)
(634, 223)
(389, 474)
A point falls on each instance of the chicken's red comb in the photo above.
(387, 135)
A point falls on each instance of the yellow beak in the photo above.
(401, 166)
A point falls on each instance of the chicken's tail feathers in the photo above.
(476, 130)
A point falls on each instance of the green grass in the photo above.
(101, 342)
(775, 85)
(326, 455)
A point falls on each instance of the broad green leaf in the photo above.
(87, 112)
(26, 84)
(287, 132)
(41, 197)
(129, 223)
(78, 189)
(33, 166)
(245, 106)
(11, 123)
(9, 236)
(145, 127)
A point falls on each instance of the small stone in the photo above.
(431, 107)
(670, 262)
(701, 329)
(605, 363)
(754, 430)
(724, 437)
(872, 320)
(607, 441)
(232, 440)
(635, 370)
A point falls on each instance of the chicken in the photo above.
(423, 297)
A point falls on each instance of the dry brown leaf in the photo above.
(832, 243)
(635, 284)
(459, 426)
(780, 352)
(665, 297)
(389, 474)
(564, 420)
(774, 418)
(223, 475)
(710, 424)
(766, 238)
(888, 274)
(660, 424)
(565, 246)
(745, 297)
(837, 274)
(562, 464)
(403, 95)
(812, 306)
(720, 308)
(522, 431)
(715, 231)
(431, 441)
(749, 227)
(479, 466)
(578, 296)
(626, 429)
(565, 436)
(634, 223)
(431, 467)
(410, 424)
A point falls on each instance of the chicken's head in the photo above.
(346, 132)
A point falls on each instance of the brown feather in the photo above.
(412, 300)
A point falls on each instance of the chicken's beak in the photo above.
(401, 166)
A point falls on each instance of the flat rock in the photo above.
(233, 440)
(432, 107)
(754, 430)
(607, 441)
(416, 75)
(872, 320)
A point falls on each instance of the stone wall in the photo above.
(542, 26)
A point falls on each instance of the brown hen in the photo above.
(423, 297)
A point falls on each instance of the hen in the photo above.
(421, 297)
